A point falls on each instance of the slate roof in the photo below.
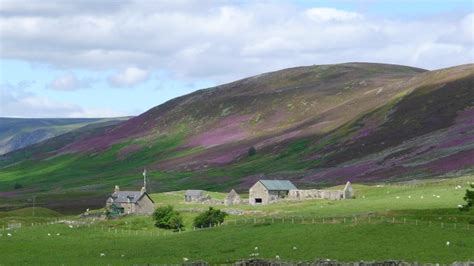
(278, 184)
(124, 196)
(194, 193)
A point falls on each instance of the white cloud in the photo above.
(15, 101)
(220, 41)
(129, 77)
(331, 14)
(69, 82)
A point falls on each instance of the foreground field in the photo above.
(230, 243)
(411, 222)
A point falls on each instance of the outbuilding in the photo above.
(269, 191)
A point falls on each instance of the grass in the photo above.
(230, 243)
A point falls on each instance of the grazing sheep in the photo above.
(448, 243)
(277, 257)
(295, 248)
(256, 248)
(8, 234)
(102, 255)
(58, 234)
(70, 226)
(185, 259)
(49, 234)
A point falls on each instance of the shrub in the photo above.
(167, 218)
(209, 218)
(469, 198)
(252, 151)
(17, 185)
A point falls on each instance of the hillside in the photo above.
(317, 125)
(17, 133)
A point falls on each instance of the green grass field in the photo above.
(411, 222)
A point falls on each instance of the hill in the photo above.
(317, 125)
(17, 133)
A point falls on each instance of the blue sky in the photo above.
(115, 58)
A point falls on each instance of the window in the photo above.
(258, 200)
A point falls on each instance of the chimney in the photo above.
(116, 189)
(143, 190)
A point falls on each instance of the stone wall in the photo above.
(258, 191)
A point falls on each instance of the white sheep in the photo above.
(256, 248)
(277, 257)
(422, 197)
(295, 248)
(58, 234)
(8, 234)
(438, 196)
(397, 197)
(102, 255)
(409, 197)
(185, 259)
(448, 243)
(70, 226)
(49, 234)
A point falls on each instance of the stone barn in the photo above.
(269, 191)
(193, 195)
(232, 198)
(130, 202)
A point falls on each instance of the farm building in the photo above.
(193, 195)
(232, 198)
(130, 202)
(268, 191)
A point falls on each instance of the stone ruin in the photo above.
(232, 198)
(304, 194)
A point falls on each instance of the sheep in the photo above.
(256, 248)
(185, 259)
(277, 257)
(295, 248)
(49, 234)
(102, 255)
(448, 243)
(58, 234)
(70, 226)
(8, 234)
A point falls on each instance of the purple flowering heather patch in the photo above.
(228, 130)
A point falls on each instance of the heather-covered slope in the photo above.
(316, 125)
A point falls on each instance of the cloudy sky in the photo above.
(90, 58)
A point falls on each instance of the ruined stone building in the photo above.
(193, 195)
(302, 194)
(269, 191)
(232, 198)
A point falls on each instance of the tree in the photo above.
(209, 218)
(469, 198)
(167, 218)
(17, 185)
(252, 151)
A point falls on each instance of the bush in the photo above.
(209, 218)
(17, 185)
(252, 151)
(167, 218)
(469, 198)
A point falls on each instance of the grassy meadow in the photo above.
(411, 222)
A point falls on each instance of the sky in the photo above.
(89, 58)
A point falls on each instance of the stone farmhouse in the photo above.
(232, 198)
(130, 202)
(270, 191)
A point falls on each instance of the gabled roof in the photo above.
(128, 196)
(194, 193)
(278, 184)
